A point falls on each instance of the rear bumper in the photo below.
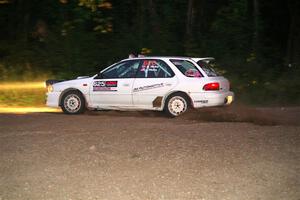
(53, 99)
(207, 99)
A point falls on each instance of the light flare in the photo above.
(19, 86)
(24, 110)
(22, 85)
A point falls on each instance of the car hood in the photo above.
(73, 81)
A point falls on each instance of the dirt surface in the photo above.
(218, 153)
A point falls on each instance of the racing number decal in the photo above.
(149, 65)
(105, 86)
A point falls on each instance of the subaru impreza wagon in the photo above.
(170, 84)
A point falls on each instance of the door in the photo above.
(153, 81)
(113, 87)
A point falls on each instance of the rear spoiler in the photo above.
(52, 81)
(206, 59)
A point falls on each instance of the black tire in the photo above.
(176, 104)
(72, 102)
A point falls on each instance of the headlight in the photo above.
(50, 88)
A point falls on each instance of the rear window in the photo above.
(187, 68)
(208, 68)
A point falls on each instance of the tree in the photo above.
(293, 41)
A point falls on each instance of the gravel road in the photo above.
(211, 154)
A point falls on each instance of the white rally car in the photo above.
(170, 84)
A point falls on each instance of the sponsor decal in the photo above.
(111, 83)
(148, 87)
(105, 86)
(149, 65)
(201, 101)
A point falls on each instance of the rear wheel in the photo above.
(176, 105)
(73, 103)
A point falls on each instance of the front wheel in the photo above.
(176, 105)
(73, 103)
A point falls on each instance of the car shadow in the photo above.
(234, 113)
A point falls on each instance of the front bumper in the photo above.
(53, 99)
(207, 99)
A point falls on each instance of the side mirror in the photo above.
(99, 76)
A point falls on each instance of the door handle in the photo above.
(126, 84)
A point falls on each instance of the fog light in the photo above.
(229, 100)
(50, 88)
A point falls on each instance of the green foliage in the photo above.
(68, 38)
(17, 97)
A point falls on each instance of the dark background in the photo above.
(256, 43)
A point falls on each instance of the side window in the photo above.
(154, 69)
(208, 68)
(125, 69)
(187, 68)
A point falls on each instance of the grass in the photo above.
(22, 94)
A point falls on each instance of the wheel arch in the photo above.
(190, 101)
(68, 90)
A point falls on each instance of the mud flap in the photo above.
(157, 102)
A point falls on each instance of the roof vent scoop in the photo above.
(81, 77)
(131, 55)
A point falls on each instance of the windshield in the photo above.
(207, 66)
